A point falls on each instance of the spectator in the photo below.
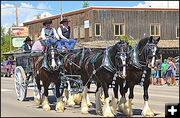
(158, 72)
(170, 68)
(164, 67)
(173, 72)
(153, 77)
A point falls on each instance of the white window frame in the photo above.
(155, 29)
(99, 28)
(124, 31)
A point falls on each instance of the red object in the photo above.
(7, 68)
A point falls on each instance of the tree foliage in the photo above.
(38, 16)
(85, 4)
(5, 42)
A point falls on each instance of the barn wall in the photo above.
(137, 23)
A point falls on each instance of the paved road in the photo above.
(10, 107)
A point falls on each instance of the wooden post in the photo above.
(61, 9)
(16, 14)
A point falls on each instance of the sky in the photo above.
(26, 13)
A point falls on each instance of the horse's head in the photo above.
(53, 57)
(121, 58)
(150, 51)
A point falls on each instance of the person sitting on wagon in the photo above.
(37, 46)
(26, 47)
(64, 32)
(49, 35)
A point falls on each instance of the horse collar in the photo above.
(107, 63)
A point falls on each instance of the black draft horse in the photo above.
(139, 73)
(103, 73)
(73, 65)
(47, 76)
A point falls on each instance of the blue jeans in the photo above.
(69, 45)
(48, 42)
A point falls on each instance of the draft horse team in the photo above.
(118, 66)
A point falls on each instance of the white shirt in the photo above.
(43, 33)
(37, 47)
(60, 32)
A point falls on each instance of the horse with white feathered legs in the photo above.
(142, 59)
(47, 69)
(72, 64)
(110, 63)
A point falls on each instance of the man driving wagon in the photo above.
(49, 35)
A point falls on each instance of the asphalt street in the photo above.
(11, 107)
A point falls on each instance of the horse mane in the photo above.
(142, 42)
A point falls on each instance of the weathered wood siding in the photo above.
(137, 23)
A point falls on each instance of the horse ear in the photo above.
(157, 40)
(150, 39)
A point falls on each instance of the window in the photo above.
(177, 31)
(76, 32)
(82, 31)
(155, 29)
(119, 29)
(97, 29)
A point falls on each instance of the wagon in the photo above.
(23, 74)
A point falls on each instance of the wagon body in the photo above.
(23, 74)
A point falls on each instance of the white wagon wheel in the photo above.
(20, 85)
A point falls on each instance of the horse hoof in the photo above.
(106, 109)
(147, 110)
(148, 113)
(99, 112)
(84, 110)
(70, 102)
(128, 112)
(77, 98)
(89, 104)
(46, 108)
(60, 110)
(108, 114)
(38, 101)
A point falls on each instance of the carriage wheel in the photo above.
(20, 85)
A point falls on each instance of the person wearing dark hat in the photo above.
(64, 32)
(49, 34)
(27, 45)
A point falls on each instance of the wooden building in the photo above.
(94, 23)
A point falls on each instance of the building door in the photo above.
(86, 26)
(87, 34)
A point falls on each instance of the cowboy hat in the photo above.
(28, 39)
(47, 22)
(64, 20)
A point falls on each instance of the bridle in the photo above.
(53, 58)
(122, 55)
(148, 47)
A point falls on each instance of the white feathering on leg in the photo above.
(106, 109)
(84, 106)
(146, 110)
